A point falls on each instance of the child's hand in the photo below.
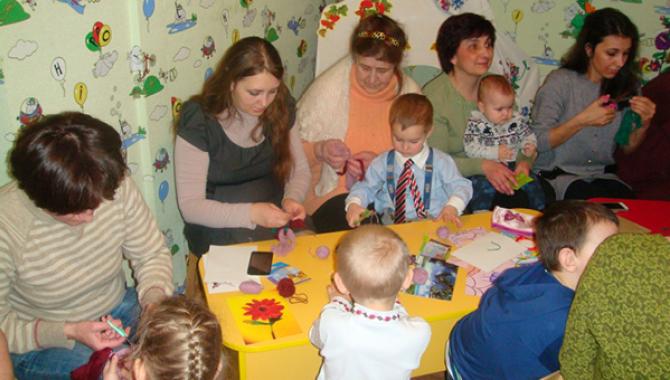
(450, 214)
(505, 153)
(354, 214)
(530, 150)
(522, 167)
(333, 292)
(110, 333)
(110, 372)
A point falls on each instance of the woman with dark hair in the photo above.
(239, 165)
(343, 115)
(66, 223)
(465, 50)
(580, 107)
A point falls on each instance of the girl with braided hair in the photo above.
(179, 339)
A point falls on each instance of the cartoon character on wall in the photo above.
(140, 63)
(128, 137)
(547, 57)
(181, 21)
(162, 160)
(208, 48)
(575, 14)
(11, 12)
(76, 5)
(268, 17)
(30, 112)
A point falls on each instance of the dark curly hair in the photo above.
(457, 28)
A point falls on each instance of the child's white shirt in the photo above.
(361, 343)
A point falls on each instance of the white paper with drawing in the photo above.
(226, 268)
(489, 251)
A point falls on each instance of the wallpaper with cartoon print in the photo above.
(131, 63)
(545, 29)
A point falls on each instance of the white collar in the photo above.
(419, 159)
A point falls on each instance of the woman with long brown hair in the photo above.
(581, 106)
(239, 165)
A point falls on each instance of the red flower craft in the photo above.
(265, 309)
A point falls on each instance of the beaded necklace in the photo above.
(350, 308)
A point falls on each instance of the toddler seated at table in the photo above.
(412, 181)
(177, 339)
(364, 333)
(495, 132)
(517, 331)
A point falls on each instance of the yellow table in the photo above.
(294, 357)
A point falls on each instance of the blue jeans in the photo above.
(57, 363)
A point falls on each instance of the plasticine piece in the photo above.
(286, 238)
(443, 232)
(286, 287)
(322, 252)
(420, 276)
(250, 287)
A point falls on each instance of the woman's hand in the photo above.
(268, 215)
(333, 152)
(93, 334)
(359, 162)
(294, 208)
(644, 107)
(499, 175)
(598, 113)
(110, 333)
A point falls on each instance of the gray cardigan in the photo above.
(563, 95)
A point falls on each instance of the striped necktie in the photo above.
(408, 182)
(406, 177)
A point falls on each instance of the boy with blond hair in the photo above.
(412, 181)
(364, 333)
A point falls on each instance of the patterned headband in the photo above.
(381, 36)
